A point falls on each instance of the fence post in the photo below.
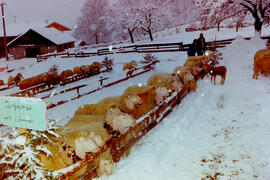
(135, 47)
(78, 92)
(180, 46)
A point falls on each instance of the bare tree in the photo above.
(124, 14)
(236, 11)
(154, 15)
(93, 26)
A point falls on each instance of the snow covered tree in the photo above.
(148, 58)
(236, 10)
(154, 15)
(147, 15)
(19, 153)
(124, 15)
(93, 26)
(108, 63)
(183, 11)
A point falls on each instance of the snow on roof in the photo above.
(54, 35)
(51, 34)
(18, 28)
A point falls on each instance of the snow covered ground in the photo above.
(219, 131)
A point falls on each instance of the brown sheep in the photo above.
(138, 100)
(105, 164)
(259, 53)
(77, 70)
(96, 112)
(58, 158)
(51, 79)
(79, 139)
(118, 120)
(29, 82)
(199, 60)
(1, 83)
(130, 65)
(82, 119)
(88, 129)
(96, 67)
(110, 100)
(94, 109)
(18, 78)
(86, 138)
(189, 80)
(84, 69)
(261, 64)
(178, 69)
(168, 80)
(65, 74)
(11, 81)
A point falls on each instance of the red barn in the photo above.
(38, 41)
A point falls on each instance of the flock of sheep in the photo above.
(52, 78)
(93, 124)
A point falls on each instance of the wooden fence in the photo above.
(143, 48)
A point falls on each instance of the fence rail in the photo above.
(143, 48)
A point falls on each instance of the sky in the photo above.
(65, 12)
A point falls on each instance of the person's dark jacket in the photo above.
(201, 46)
(192, 50)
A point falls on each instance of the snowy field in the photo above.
(219, 131)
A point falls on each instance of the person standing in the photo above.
(201, 45)
(193, 49)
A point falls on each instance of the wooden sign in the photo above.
(28, 113)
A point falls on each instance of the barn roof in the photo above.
(19, 28)
(13, 30)
(51, 34)
(54, 35)
(58, 26)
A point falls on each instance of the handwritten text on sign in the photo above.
(28, 113)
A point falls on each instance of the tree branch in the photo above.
(249, 2)
(231, 15)
(133, 29)
(253, 12)
(144, 29)
(262, 11)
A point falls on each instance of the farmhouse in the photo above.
(14, 30)
(38, 41)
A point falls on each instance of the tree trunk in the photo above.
(150, 34)
(258, 24)
(131, 35)
(97, 41)
(218, 26)
(237, 26)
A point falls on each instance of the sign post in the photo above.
(21, 112)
